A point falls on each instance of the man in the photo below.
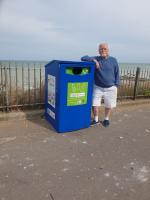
(106, 82)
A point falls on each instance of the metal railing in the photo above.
(23, 85)
(135, 83)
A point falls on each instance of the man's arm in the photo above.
(91, 59)
(117, 75)
(87, 58)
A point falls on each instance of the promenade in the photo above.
(97, 163)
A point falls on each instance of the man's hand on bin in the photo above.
(97, 63)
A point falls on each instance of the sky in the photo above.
(68, 29)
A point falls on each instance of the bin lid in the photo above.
(69, 62)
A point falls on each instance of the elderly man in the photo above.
(106, 83)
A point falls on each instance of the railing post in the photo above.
(136, 82)
(6, 88)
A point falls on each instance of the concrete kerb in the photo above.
(30, 114)
(133, 102)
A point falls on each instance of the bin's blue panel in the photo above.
(51, 111)
(75, 117)
(70, 114)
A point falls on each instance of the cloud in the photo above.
(70, 29)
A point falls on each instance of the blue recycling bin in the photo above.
(68, 94)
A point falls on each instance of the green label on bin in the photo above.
(77, 93)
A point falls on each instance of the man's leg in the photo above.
(110, 98)
(107, 113)
(97, 96)
(95, 110)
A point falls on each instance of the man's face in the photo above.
(103, 50)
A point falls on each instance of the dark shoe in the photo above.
(93, 123)
(106, 123)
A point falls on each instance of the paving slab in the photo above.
(96, 163)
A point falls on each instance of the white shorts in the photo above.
(109, 95)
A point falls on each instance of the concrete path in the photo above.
(96, 163)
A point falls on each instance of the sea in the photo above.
(41, 64)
